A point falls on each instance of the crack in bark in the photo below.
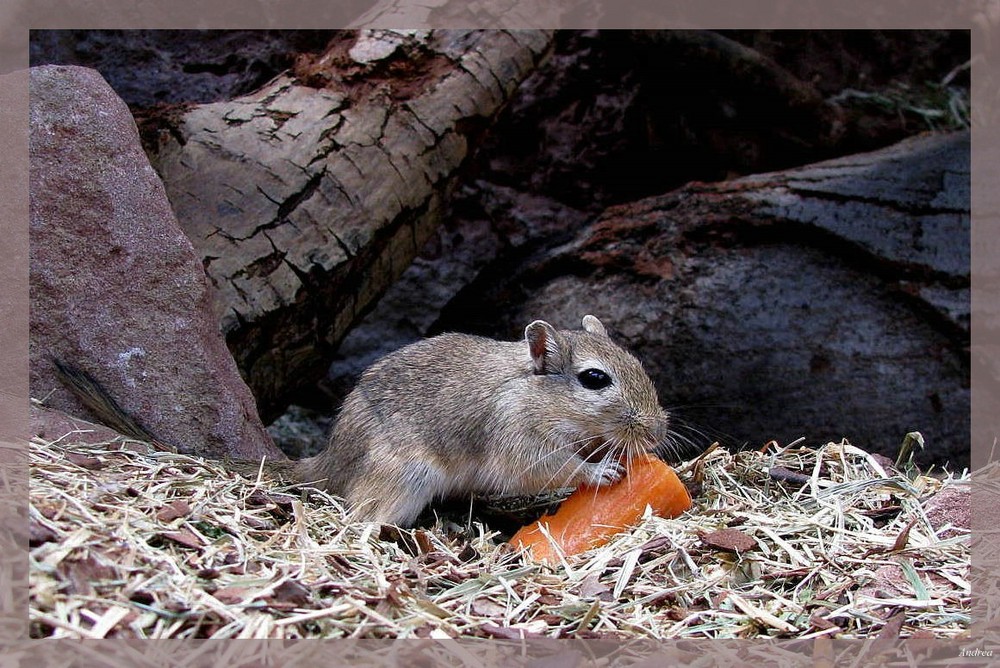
(343, 245)
(222, 233)
(329, 144)
(291, 203)
(890, 204)
(286, 207)
(406, 107)
(339, 187)
(353, 164)
(267, 197)
(504, 93)
(388, 157)
(481, 84)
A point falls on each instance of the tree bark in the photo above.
(309, 197)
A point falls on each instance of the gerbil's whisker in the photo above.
(560, 450)
(605, 439)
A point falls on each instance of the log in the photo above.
(307, 199)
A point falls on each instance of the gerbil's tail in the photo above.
(102, 405)
(279, 469)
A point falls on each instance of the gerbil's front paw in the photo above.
(603, 473)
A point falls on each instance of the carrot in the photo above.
(589, 517)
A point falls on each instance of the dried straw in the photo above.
(161, 545)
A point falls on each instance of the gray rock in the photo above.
(116, 288)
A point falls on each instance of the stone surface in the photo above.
(116, 288)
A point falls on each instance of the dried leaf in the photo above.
(488, 608)
(84, 572)
(176, 509)
(903, 537)
(39, 534)
(509, 632)
(821, 623)
(184, 537)
(291, 592)
(232, 595)
(782, 474)
(468, 553)
(654, 548)
(730, 540)
(893, 626)
(85, 462)
(592, 587)
(423, 540)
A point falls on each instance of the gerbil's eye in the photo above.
(594, 379)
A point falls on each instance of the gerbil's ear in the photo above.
(593, 325)
(546, 346)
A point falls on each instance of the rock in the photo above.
(826, 302)
(116, 288)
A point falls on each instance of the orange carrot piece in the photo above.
(590, 516)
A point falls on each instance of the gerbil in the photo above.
(458, 414)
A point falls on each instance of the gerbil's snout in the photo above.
(645, 430)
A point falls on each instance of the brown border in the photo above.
(16, 16)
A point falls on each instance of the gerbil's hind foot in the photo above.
(401, 511)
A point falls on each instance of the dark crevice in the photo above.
(891, 204)
(291, 203)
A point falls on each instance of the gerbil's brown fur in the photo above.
(459, 414)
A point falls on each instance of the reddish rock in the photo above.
(116, 289)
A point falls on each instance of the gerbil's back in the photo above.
(444, 387)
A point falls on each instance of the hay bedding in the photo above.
(787, 543)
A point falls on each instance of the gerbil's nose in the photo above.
(648, 427)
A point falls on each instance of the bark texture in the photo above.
(309, 197)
